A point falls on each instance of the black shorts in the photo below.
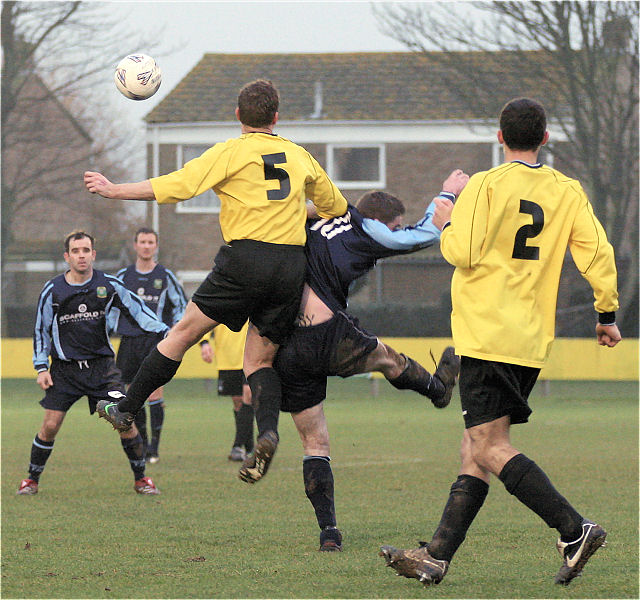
(132, 351)
(93, 378)
(256, 281)
(490, 390)
(230, 382)
(336, 347)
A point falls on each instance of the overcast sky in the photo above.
(192, 29)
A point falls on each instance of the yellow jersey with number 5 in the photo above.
(510, 229)
(263, 181)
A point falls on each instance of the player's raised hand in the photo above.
(455, 182)
(97, 183)
(442, 214)
(608, 335)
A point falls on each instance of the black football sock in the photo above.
(238, 441)
(141, 424)
(266, 395)
(466, 498)
(318, 485)
(156, 412)
(40, 452)
(415, 377)
(134, 449)
(525, 480)
(155, 370)
(244, 427)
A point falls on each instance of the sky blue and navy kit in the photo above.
(73, 326)
(161, 292)
(342, 249)
(339, 251)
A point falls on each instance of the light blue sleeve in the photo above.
(136, 308)
(177, 297)
(421, 235)
(42, 330)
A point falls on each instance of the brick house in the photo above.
(373, 120)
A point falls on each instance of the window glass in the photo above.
(357, 166)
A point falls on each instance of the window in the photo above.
(208, 202)
(357, 167)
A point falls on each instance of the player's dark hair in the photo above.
(258, 103)
(78, 235)
(145, 230)
(523, 123)
(380, 205)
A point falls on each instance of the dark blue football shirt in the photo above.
(341, 249)
(72, 319)
(159, 290)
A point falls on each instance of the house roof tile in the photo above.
(382, 86)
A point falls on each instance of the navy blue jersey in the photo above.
(341, 249)
(72, 319)
(159, 290)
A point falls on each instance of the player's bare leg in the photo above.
(318, 477)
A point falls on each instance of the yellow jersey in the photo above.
(228, 347)
(510, 229)
(263, 182)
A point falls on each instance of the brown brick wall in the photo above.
(415, 173)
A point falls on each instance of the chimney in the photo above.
(317, 101)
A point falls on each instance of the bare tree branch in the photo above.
(579, 57)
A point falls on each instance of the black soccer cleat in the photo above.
(576, 554)
(416, 563)
(447, 371)
(108, 410)
(255, 466)
(330, 540)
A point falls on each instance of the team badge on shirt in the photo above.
(157, 283)
(101, 291)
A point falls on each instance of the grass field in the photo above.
(208, 535)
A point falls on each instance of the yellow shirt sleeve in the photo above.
(594, 257)
(196, 177)
(461, 242)
(324, 194)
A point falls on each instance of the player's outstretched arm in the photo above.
(608, 335)
(97, 183)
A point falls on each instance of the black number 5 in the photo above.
(273, 172)
(520, 248)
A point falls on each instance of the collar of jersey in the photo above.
(526, 164)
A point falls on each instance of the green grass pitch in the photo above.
(208, 535)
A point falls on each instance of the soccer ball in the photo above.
(138, 76)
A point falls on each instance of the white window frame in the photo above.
(357, 185)
(182, 207)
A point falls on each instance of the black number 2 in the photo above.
(273, 172)
(520, 248)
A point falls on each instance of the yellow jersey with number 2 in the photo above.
(263, 181)
(510, 229)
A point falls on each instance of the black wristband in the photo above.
(607, 318)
